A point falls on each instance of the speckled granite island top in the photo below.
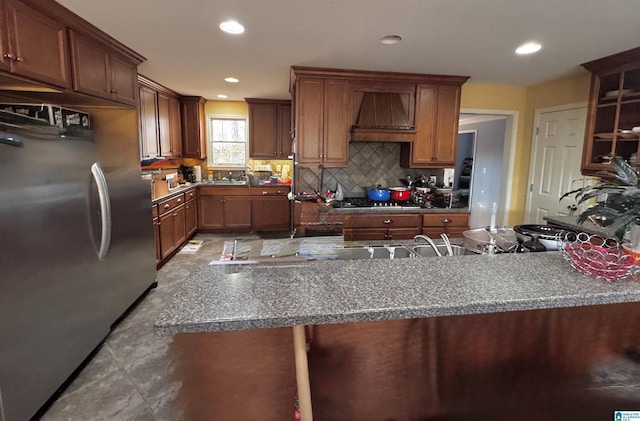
(236, 297)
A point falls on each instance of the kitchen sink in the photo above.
(376, 252)
(427, 251)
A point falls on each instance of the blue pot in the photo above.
(379, 194)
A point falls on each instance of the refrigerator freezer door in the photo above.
(52, 308)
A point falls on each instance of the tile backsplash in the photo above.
(370, 164)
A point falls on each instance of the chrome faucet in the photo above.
(447, 243)
(430, 241)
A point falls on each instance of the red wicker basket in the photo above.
(598, 260)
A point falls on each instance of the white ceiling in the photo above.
(187, 52)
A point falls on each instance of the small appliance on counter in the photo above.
(187, 173)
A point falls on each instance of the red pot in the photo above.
(400, 193)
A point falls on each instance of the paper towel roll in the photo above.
(197, 171)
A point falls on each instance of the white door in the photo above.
(555, 163)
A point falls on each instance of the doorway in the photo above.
(495, 140)
(556, 155)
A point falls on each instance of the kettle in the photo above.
(339, 193)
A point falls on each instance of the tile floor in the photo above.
(129, 378)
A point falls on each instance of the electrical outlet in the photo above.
(278, 168)
(432, 179)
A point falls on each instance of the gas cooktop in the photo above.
(363, 202)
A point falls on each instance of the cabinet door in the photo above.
(167, 230)
(365, 234)
(422, 150)
(210, 214)
(148, 123)
(5, 61)
(309, 120)
(164, 126)
(284, 131)
(179, 226)
(263, 119)
(270, 214)
(175, 127)
(90, 66)
(193, 140)
(123, 80)
(447, 125)
(37, 45)
(237, 212)
(402, 233)
(191, 217)
(336, 123)
(156, 236)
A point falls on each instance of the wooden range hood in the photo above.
(382, 118)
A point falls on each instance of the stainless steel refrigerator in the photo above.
(76, 250)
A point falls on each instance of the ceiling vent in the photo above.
(382, 118)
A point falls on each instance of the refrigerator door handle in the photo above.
(105, 209)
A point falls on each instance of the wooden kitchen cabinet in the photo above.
(437, 114)
(614, 109)
(99, 71)
(156, 232)
(452, 224)
(33, 45)
(269, 128)
(383, 226)
(322, 121)
(160, 127)
(224, 209)
(172, 225)
(193, 127)
(271, 211)
(191, 213)
(244, 209)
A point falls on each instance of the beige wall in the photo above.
(562, 91)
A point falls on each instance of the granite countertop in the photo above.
(236, 297)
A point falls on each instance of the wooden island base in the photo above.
(562, 364)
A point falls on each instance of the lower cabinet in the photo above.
(388, 226)
(191, 213)
(172, 231)
(175, 223)
(452, 224)
(244, 209)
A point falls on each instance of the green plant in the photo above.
(621, 208)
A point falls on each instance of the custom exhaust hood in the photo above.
(382, 117)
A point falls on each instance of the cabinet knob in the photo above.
(167, 206)
(264, 193)
(19, 59)
(446, 221)
(114, 91)
(387, 221)
(8, 55)
(179, 200)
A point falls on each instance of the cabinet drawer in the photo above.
(445, 219)
(382, 221)
(154, 211)
(190, 195)
(170, 204)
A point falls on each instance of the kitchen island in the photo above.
(467, 337)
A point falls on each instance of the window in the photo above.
(227, 140)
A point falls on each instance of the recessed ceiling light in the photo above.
(528, 48)
(390, 39)
(231, 80)
(222, 96)
(232, 27)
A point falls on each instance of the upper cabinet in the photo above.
(336, 106)
(45, 47)
(437, 114)
(101, 72)
(269, 128)
(614, 110)
(322, 121)
(193, 124)
(33, 45)
(160, 127)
